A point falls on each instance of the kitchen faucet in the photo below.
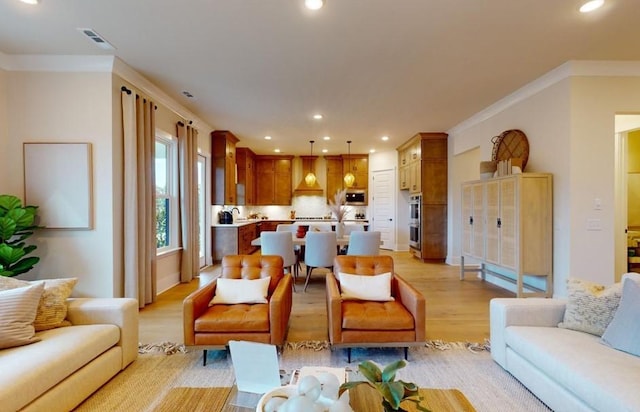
(236, 209)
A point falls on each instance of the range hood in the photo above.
(308, 164)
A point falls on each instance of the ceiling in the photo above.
(371, 67)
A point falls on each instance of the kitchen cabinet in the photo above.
(273, 180)
(507, 227)
(233, 240)
(334, 175)
(423, 172)
(358, 164)
(246, 187)
(223, 182)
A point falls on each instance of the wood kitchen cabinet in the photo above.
(423, 171)
(358, 164)
(223, 182)
(246, 187)
(507, 227)
(334, 175)
(273, 180)
(233, 240)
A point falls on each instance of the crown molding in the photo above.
(98, 64)
(571, 68)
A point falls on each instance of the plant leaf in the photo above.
(24, 265)
(22, 217)
(9, 255)
(9, 202)
(7, 228)
(371, 371)
(392, 392)
(389, 372)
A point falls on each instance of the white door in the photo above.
(383, 200)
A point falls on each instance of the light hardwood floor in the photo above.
(456, 310)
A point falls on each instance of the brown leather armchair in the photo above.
(360, 323)
(212, 327)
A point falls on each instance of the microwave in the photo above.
(356, 197)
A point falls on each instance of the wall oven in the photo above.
(355, 197)
(415, 222)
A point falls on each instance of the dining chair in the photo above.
(281, 244)
(364, 243)
(348, 229)
(293, 228)
(321, 249)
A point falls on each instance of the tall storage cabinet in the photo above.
(507, 224)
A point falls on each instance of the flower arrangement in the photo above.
(393, 392)
(336, 205)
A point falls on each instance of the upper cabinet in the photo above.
(246, 187)
(339, 165)
(273, 180)
(223, 183)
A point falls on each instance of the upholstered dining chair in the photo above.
(251, 301)
(320, 250)
(369, 305)
(292, 228)
(364, 243)
(281, 244)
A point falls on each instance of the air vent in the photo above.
(188, 94)
(96, 39)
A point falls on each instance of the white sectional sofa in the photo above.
(566, 369)
(71, 362)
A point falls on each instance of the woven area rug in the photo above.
(466, 367)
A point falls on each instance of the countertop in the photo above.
(243, 222)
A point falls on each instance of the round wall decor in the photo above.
(511, 144)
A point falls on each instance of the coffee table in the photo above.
(366, 399)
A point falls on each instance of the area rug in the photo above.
(143, 385)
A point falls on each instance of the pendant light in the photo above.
(310, 178)
(349, 178)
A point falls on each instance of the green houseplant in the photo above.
(393, 392)
(17, 223)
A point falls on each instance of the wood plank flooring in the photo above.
(456, 310)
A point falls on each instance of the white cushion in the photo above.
(18, 309)
(232, 291)
(363, 287)
(590, 306)
(623, 333)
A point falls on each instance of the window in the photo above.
(166, 192)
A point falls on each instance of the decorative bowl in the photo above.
(287, 390)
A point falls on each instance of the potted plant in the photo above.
(17, 223)
(393, 392)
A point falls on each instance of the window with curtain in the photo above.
(166, 163)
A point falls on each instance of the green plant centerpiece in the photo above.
(393, 392)
(17, 223)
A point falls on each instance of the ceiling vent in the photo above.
(308, 165)
(96, 39)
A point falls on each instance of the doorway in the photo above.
(627, 187)
(383, 207)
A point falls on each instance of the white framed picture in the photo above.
(58, 179)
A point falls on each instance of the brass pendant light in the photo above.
(310, 178)
(349, 178)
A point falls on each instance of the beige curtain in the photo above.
(188, 165)
(139, 200)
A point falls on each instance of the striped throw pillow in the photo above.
(18, 309)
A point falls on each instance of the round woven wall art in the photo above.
(511, 144)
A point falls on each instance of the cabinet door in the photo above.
(334, 176)
(230, 174)
(492, 213)
(473, 220)
(508, 223)
(265, 182)
(403, 181)
(282, 182)
(415, 177)
(434, 182)
(360, 169)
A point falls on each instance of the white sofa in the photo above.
(567, 370)
(71, 362)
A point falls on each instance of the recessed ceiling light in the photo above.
(327, 138)
(314, 4)
(591, 6)
(372, 150)
(385, 138)
(30, 1)
(317, 116)
(267, 138)
(325, 150)
(276, 150)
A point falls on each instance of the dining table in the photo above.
(301, 241)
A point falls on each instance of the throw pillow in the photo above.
(590, 306)
(52, 309)
(232, 291)
(623, 333)
(363, 287)
(18, 308)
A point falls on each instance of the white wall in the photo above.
(4, 131)
(570, 127)
(67, 107)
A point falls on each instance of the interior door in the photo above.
(383, 207)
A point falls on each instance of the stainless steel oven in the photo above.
(415, 222)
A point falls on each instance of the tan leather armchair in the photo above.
(359, 323)
(212, 327)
